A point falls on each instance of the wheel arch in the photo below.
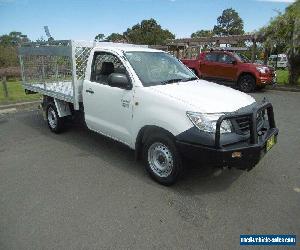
(144, 133)
(63, 108)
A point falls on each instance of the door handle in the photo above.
(89, 91)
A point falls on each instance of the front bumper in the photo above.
(250, 155)
(266, 79)
(243, 154)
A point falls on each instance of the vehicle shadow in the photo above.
(200, 179)
(196, 179)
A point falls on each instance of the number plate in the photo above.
(270, 142)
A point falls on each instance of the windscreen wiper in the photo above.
(172, 81)
(189, 79)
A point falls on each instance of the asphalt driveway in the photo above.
(79, 190)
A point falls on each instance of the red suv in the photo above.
(231, 67)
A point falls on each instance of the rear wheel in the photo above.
(162, 161)
(55, 123)
(247, 83)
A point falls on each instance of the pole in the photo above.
(276, 59)
(5, 90)
(253, 51)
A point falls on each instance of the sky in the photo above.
(82, 20)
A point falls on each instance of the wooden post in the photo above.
(5, 90)
(177, 52)
(253, 51)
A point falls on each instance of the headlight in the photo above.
(262, 69)
(207, 122)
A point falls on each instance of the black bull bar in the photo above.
(252, 114)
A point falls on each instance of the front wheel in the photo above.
(247, 83)
(162, 160)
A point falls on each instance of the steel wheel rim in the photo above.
(160, 159)
(52, 118)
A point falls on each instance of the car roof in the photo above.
(128, 48)
(218, 51)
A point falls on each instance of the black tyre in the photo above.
(162, 160)
(247, 83)
(55, 123)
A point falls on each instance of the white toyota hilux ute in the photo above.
(150, 101)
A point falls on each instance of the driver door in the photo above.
(107, 109)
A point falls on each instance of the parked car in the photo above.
(233, 68)
(149, 101)
(281, 59)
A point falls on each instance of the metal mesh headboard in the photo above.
(81, 58)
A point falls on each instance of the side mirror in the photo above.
(119, 80)
(234, 62)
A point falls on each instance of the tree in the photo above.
(148, 32)
(229, 23)
(283, 32)
(8, 56)
(41, 39)
(202, 33)
(14, 38)
(8, 48)
(100, 37)
(115, 37)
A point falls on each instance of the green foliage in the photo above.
(283, 35)
(100, 37)
(15, 93)
(229, 23)
(14, 38)
(41, 40)
(202, 33)
(282, 76)
(8, 48)
(115, 37)
(148, 32)
(8, 56)
(283, 31)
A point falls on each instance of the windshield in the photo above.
(242, 57)
(158, 68)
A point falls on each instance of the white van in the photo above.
(282, 61)
(150, 101)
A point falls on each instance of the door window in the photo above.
(224, 58)
(105, 64)
(211, 57)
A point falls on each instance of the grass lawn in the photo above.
(283, 77)
(15, 93)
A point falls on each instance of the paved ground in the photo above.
(79, 190)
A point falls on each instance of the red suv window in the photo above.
(211, 57)
(224, 58)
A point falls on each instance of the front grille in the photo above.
(242, 124)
